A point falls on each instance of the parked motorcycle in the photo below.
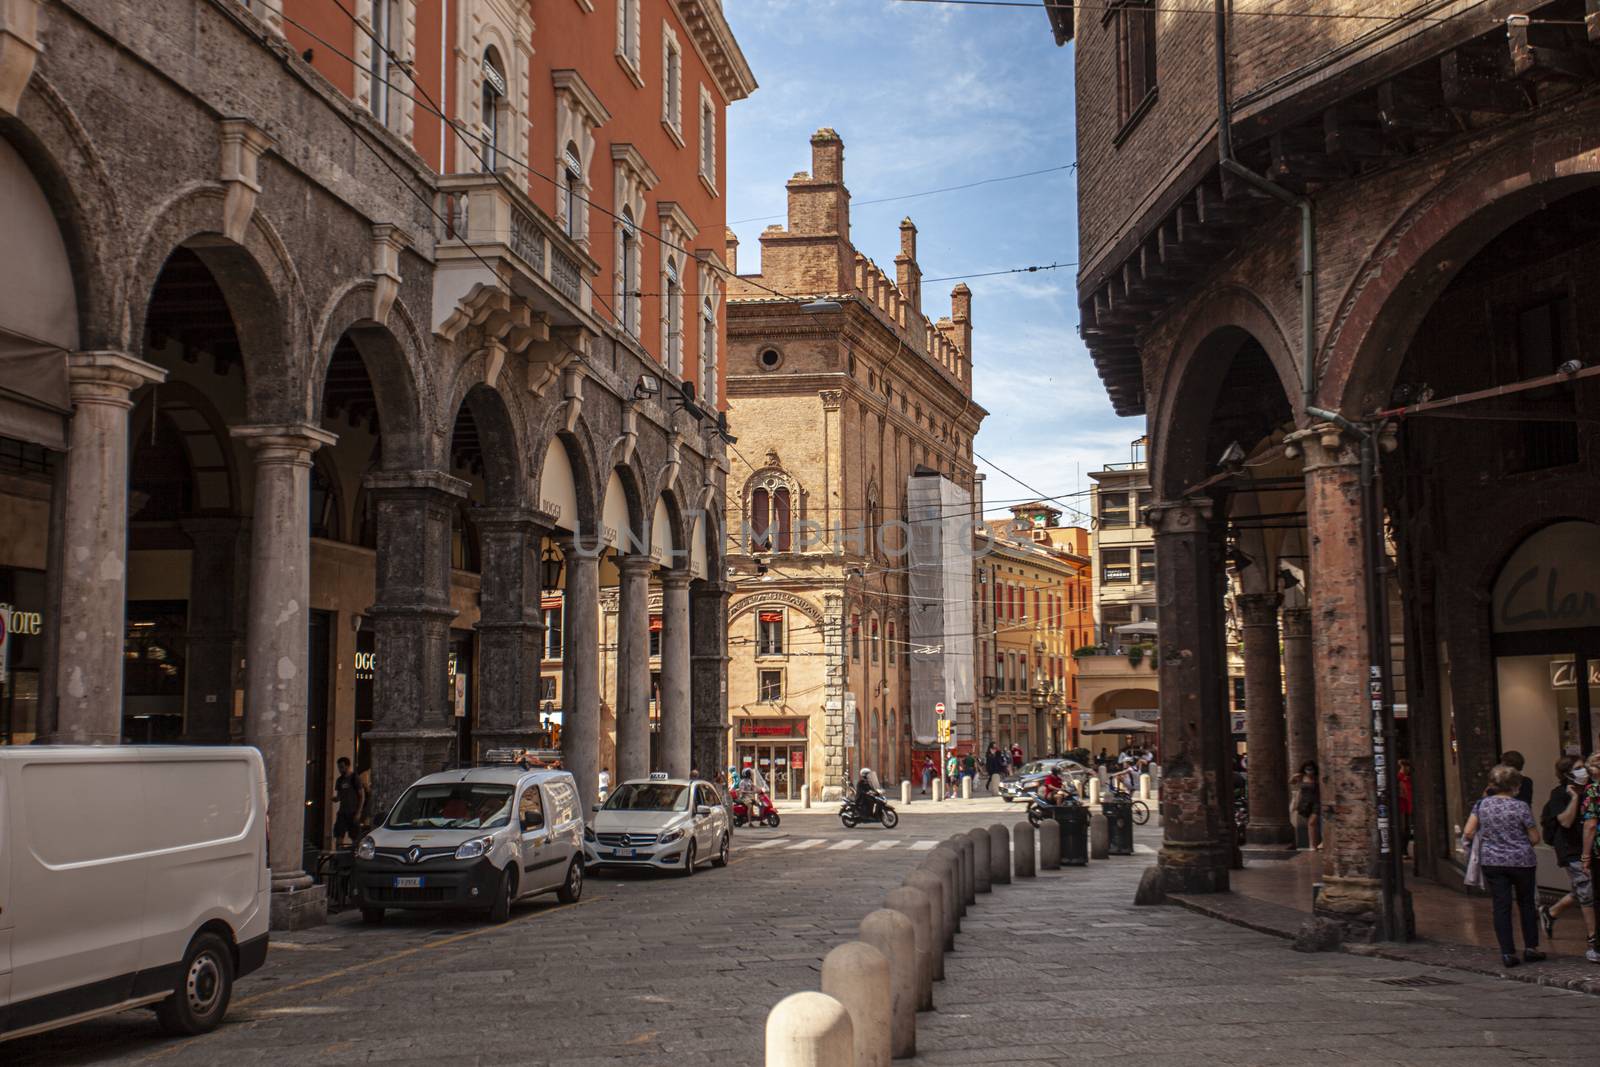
(881, 812)
(1040, 809)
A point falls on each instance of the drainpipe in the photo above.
(1308, 232)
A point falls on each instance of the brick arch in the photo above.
(1224, 319)
(1397, 284)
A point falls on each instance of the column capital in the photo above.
(1296, 622)
(108, 377)
(676, 580)
(504, 518)
(283, 441)
(635, 565)
(1324, 444)
(1258, 609)
(416, 481)
(1189, 515)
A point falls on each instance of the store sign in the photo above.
(772, 728)
(1117, 574)
(1552, 581)
(22, 624)
(1564, 674)
(494, 77)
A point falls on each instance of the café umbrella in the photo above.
(1120, 726)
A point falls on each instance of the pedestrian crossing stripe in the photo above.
(879, 846)
(813, 843)
(765, 844)
(841, 846)
(924, 846)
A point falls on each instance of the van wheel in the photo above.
(205, 985)
(505, 893)
(571, 890)
(371, 916)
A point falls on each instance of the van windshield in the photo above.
(452, 806)
(649, 796)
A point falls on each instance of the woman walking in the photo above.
(1308, 804)
(1502, 831)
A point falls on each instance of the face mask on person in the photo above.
(1580, 776)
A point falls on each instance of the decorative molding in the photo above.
(19, 50)
(243, 144)
(713, 39)
(774, 598)
(388, 241)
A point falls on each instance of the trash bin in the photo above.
(1119, 825)
(1073, 818)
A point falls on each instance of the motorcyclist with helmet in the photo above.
(868, 795)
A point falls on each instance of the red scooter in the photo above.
(765, 814)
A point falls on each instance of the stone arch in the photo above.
(1226, 320)
(636, 537)
(674, 539)
(65, 161)
(1418, 257)
(258, 281)
(395, 359)
(498, 440)
(577, 448)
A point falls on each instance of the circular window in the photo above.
(770, 358)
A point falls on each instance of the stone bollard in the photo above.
(938, 789)
(809, 1030)
(914, 903)
(948, 848)
(1094, 791)
(999, 855)
(893, 935)
(1022, 838)
(856, 974)
(905, 793)
(1144, 787)
(980, 860)
(1099, 836)
(1049, 845)
(966, 787)
(932, 886)
(805, 795)
(948, 868)
(969, 865)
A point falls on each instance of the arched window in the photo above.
(673, 296)
(872, 648)
(572, 192)
(781, 518)
(760, 518)
(494, 92)
(708, 354)
(891, 645)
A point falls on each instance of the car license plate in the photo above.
(408, 883)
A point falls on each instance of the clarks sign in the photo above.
(1552, 581)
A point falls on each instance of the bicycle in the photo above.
(1141, 810)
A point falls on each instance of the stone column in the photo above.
(1351, 892)
(1300, 691)
(94, 573)
(708, 688)
(277, 653)
(633, 668)
(1197, 785)
(510, 630)
(1264, 725)
(213, 635)
(580, 670)
(677, 730)
(414, 729)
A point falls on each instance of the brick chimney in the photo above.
(907, 275)
(813, 253)
(730, 246)
(961, 316)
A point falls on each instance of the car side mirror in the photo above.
(532, 820)
(595, 807)
(702, 810)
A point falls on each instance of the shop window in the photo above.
(22, 598)
(1114, 509)
(1136, 60)
(154, 658)
(769, 633)
(771, 686)
(1147, 566)
(1114, 567)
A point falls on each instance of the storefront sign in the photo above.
(1552, 581)
(1564, 674)
(772, 728)
(1117, 574)
(16, 621)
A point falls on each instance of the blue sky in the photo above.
(928, 96)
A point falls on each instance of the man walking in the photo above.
(351, 796)
(994, 763)
(1563, 830)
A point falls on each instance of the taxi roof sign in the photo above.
(659, 776)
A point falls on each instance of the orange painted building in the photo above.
(610, 115)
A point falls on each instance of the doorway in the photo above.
(321, 651)
(782, 764)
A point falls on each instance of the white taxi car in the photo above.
(667, 823)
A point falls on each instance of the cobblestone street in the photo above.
(668, 970)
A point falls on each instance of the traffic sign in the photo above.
(938, 709)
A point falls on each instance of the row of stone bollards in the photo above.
(873, 987)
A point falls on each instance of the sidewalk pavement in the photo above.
(1065, 969)
(1453, 928)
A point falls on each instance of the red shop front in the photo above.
(777, 748)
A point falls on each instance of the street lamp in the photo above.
(550, 566)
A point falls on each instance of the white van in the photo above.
(477, 839)
(129, 877)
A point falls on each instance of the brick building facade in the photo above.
(1440, 171)
(312, 404)
(835, 406)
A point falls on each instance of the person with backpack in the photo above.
(1562, 828)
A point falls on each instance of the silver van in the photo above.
(480, 838)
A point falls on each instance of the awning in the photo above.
(1137, 629)
(1120, 726)
(35, 401)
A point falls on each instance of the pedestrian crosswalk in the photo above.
(793, 844)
